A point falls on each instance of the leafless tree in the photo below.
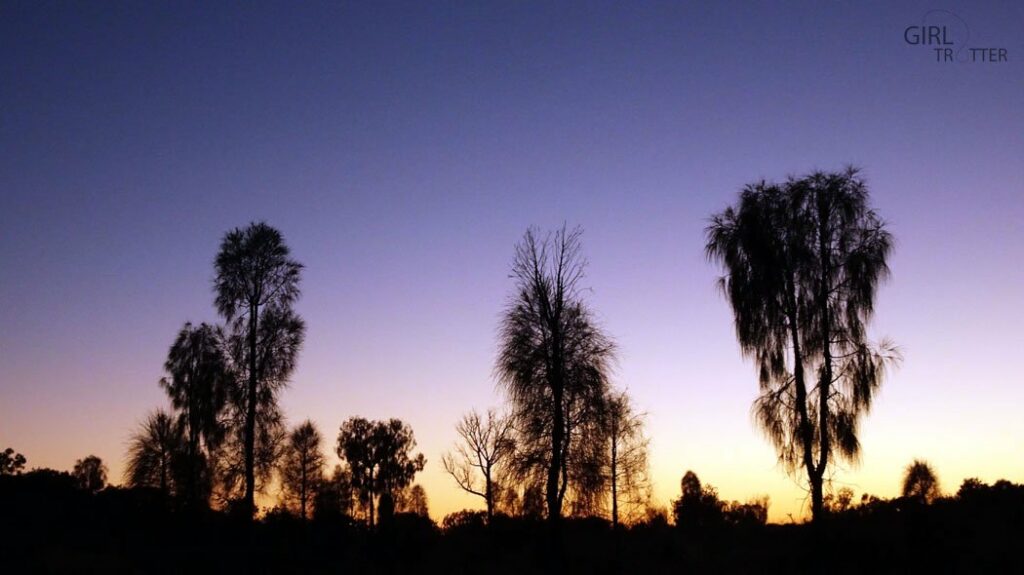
(484, 447)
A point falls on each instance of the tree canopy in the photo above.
(803, 261)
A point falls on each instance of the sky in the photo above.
(403, 150)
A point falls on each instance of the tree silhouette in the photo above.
(840, 501)
(553, 360)
(414, 500)
(90, 473)
(920, 482)
(803, 262)
(753, 512)
(197, 384)
(335, 495)
(379, 455)
(256, 284)
(11, 463)
(626, 459)
(153, 451)
(485, 447)
(698, 507)
(302, 466)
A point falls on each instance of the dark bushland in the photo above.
(51, 524)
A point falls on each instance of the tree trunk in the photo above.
(302, 494)
(250, 416)
(489, 495)
(372, 510)
(615, 481)
(825, 383)
(163, 477)
(817, 497)
(553, 500)
(806, 433)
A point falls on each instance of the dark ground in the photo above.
(50, 526)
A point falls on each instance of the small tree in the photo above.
(484, 448)
(698, 507)
(152, 453)
(627, 459)
(840, 501)
(90, 473)
(752, 513)
(197, 383)
(335, 495)
(920, 482)
(379, 454)
(11, 463)
(302, 466)
(414, 500)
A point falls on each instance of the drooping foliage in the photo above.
(803, 261)
(154, 451)
(553, 364)
(198, 382)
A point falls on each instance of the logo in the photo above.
(949, 38)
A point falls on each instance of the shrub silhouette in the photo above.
(920, 482)
(90, 473)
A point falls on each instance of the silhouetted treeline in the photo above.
(54, 523)
(562, 468)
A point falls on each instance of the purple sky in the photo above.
(403, 151)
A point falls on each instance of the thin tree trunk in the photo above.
(824, 386)
(489, 495)
(615, 480)
(250, 416)
(806, 433)
(553, 499)
(163, 477)
(372, 514)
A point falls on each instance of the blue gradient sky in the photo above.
(403, 150)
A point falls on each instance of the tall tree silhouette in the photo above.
(90, 473)
(803, 261)
(302, 466)
(153, 451)
(197, 383)
(485, 446)
(256, 284)
(920, 482)
(553, 360)
(379, 455)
